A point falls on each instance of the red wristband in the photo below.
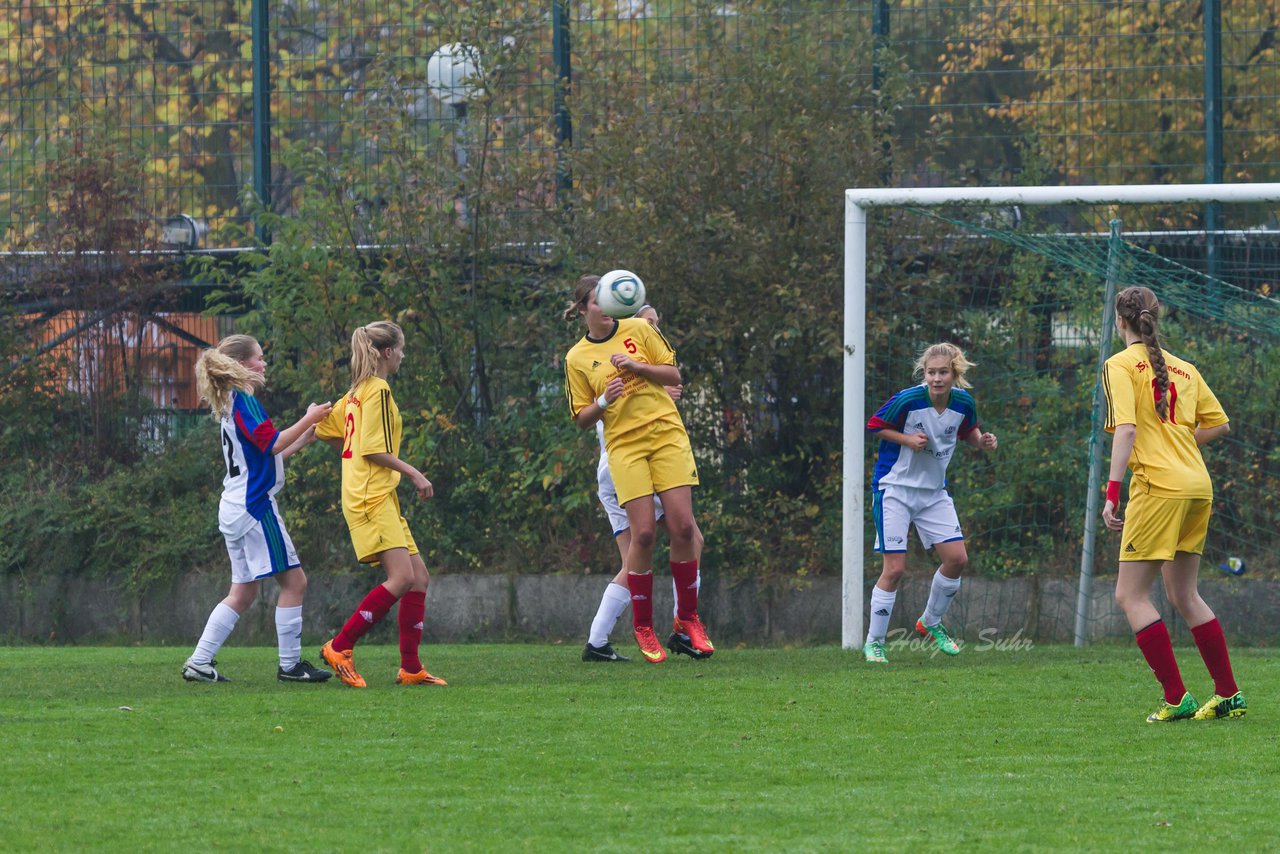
(1113, 492)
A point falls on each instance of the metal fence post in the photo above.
(1114, 247)
(1214, 165)
(560, 47)
(259, 18)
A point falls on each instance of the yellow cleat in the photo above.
(1222, 707)
(1168, 712)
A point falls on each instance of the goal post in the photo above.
(857, 204)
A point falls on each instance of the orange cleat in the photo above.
(649, 646)
(342, 664)
(422, 677)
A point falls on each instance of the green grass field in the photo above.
(530, 749)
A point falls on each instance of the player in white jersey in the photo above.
(919, 428)
(616, 597)
(248, 516)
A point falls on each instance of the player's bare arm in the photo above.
(420, 484)
(591, 413)
(1205, 435)
(982, 441)
(316, 412)
(663, 375)
(301, 442)
(1121, 450)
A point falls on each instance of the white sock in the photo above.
(221, 621)
(615, 600)
(675, 597)
(289, 635)
(941, 592)
(881, 610)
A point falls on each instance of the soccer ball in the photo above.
(620, 293)
(1232, 566)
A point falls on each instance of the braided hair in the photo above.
(1140, 310)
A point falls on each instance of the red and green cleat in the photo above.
(940, 636)
(873, 652)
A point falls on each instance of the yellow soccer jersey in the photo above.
(587, 370)
(368, 422)
(1166, 461)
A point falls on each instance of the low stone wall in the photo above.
(499, 608)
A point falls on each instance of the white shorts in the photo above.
(896, 508)
(263, 550)
(609, 499)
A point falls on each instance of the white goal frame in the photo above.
(856, 203)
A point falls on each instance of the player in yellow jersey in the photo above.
(365, 425)
(1162, 411)
(618, 372)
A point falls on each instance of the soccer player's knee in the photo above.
(956, 565)
(644, 539)
(682, 532)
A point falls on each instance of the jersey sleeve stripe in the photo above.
(1106, 393)
(665, 341)
(568, 391)
(386, 418)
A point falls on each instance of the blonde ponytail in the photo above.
(219, 372)
(367, 344)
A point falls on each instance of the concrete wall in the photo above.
(495, 608)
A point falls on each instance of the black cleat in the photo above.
(681, 645)
(601, 653)
(193, 672)
(303, 671)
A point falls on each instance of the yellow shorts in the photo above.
(1156, 528)
(380, 528)
(651, 459)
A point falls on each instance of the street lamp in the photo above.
(454, 76)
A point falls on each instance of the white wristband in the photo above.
(602, 402)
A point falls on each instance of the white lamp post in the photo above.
(454, 76)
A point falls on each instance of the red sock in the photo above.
(1157, 649)
(685, 573)
(1213, 649)
(377, 602)
(641, 587)
(413, 609)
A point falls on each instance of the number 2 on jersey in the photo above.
(350, 434)
(228, 445)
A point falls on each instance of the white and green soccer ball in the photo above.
(620, 293)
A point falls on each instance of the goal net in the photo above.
(1023, 279)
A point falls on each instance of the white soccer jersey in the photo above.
(911, 411)
(254, 472)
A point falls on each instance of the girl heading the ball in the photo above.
(618, 372)
(1161, 411)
